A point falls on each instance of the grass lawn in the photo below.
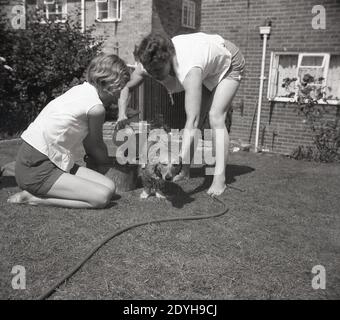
(286, 222)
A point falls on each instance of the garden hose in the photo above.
(223, 211)
(51, 290)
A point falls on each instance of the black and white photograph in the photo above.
(170, 155)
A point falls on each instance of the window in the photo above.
(322, 67)
(55, 10)
(188, 14)
(333, 79)
(108, 10)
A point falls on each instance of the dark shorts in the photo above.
(35, 172)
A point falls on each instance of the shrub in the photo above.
(325, 133)
(44, 61)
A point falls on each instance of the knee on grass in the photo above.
(102, 198)
(111, 186)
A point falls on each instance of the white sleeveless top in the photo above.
(63, 125)
(205, 51)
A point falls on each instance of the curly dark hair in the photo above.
(154, 51)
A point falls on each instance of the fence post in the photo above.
(141, 101)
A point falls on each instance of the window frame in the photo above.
(272, 78)
(189, 3)
(118, 11)
(63, 13)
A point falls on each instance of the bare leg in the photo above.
(73, 191)
(223, 96)
(189, 138)
(207, 97)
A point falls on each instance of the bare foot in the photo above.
(21, 198)
(217, 187)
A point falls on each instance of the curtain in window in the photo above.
(286, 69)
(333, 79)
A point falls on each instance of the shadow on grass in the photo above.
(231, 172)
(113, 201)
(111, 204)
(116, 197)
(7, 182)
(176, 195)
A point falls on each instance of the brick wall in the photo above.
(291, 30)
(138, 19)
(167, 17)
(134, 25)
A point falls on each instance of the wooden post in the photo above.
(141, 101)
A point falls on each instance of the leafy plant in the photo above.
(325, 133)
(45, 60)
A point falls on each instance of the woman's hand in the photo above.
(121, 123)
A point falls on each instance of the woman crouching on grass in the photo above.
(45, 168)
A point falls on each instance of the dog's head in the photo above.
(168, 170)
(163, 158)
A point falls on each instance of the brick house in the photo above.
(292, 35)
(293, 44)
(121, 23)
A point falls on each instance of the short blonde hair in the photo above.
(107, 72)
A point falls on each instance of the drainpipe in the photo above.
(25, 13)
(83, 17)
(264, 31)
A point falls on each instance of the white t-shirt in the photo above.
(62, 125)
(205, 51)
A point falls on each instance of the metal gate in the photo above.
(154, 104)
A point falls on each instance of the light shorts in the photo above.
(237, 66)
(35, 172)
